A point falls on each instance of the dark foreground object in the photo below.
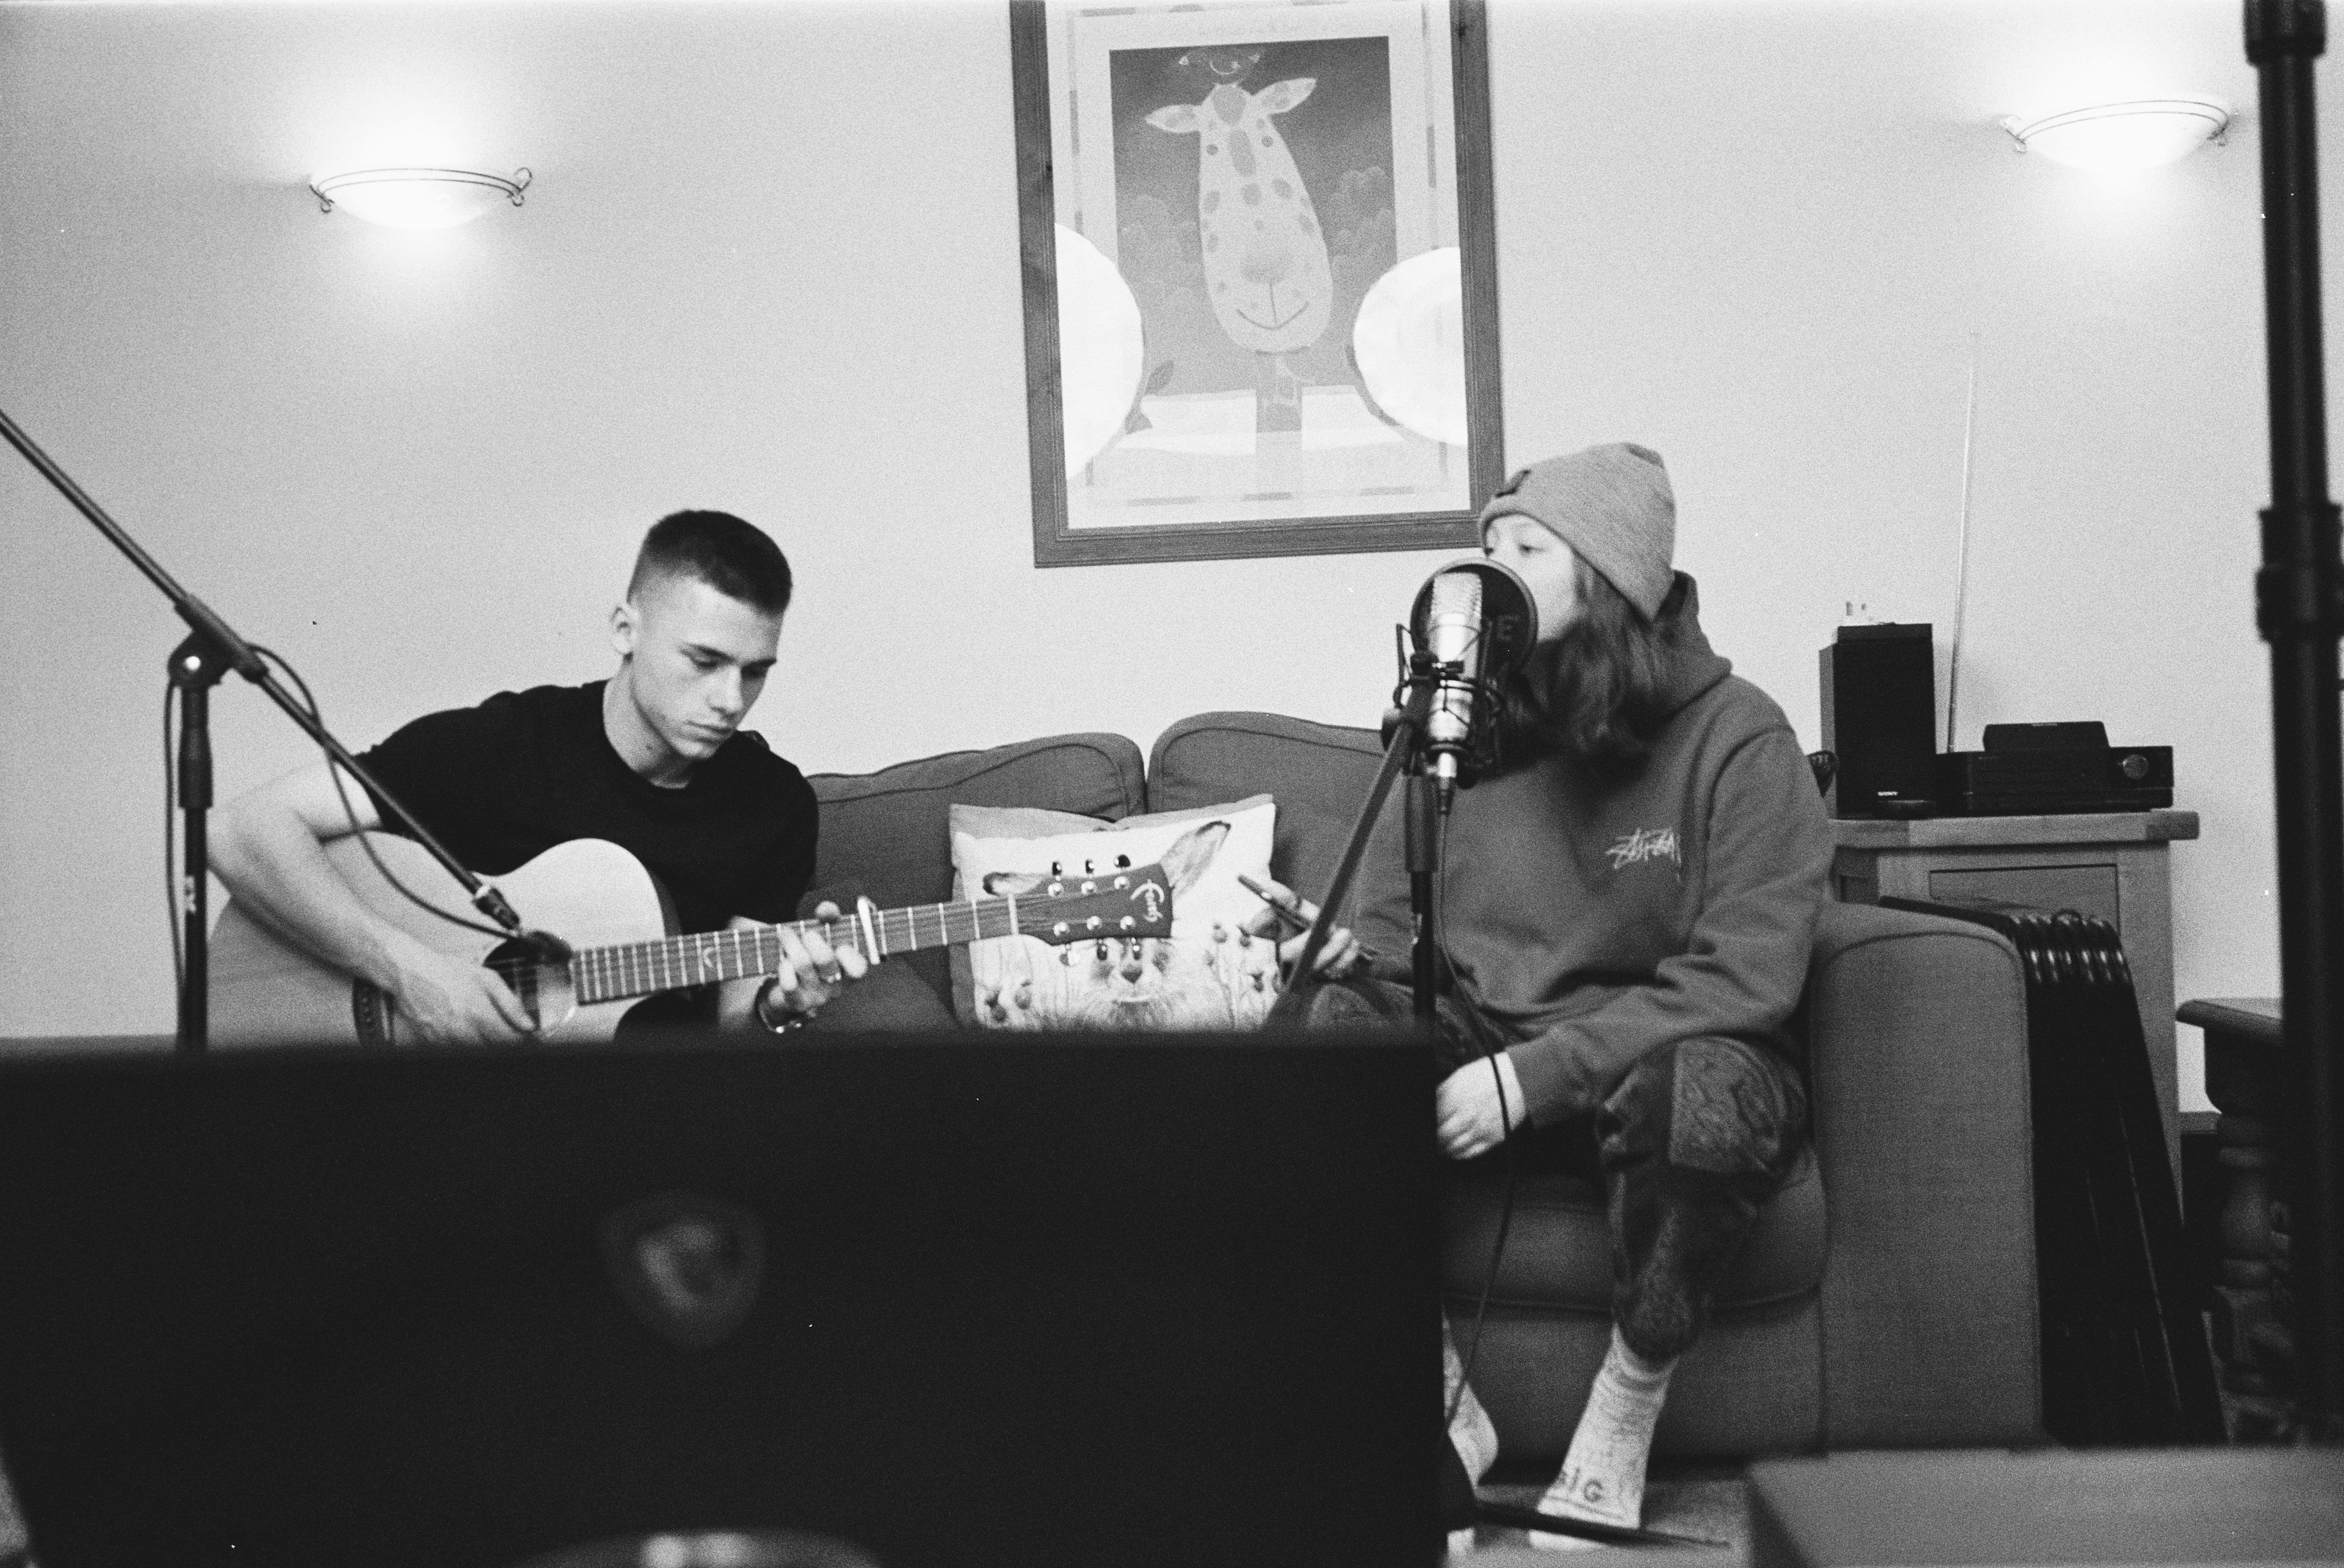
(951, 1299)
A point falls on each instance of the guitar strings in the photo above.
(681, 962)
(671, 963)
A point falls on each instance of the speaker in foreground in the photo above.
(948, 1298)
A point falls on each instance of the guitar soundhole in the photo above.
(370, 1011)
(536, 983)
(516, 966)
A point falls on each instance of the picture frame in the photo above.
(1258, 319)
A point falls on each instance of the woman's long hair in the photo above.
(1599, 694)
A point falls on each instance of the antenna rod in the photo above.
(1962, 554)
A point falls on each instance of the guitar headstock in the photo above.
(1122, 904)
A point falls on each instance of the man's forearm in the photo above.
(279, 873)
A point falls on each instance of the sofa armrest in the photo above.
(1917, 1047)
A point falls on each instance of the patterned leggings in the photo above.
(1686, 1147)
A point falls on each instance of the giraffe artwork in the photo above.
(1265, 258)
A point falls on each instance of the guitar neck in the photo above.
(639, 969)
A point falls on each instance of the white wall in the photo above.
(769, 265)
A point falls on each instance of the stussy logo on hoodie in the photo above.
(1645, 843)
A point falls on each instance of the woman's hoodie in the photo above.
(1599, 919)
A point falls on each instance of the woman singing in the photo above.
(1628, 902)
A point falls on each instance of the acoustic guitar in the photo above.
(614, 940)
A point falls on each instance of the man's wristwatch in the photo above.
(787, 1022)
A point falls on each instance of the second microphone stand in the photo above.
(196, 665)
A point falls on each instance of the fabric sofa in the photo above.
(1888, 1297)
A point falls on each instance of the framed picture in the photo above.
(1260, 291)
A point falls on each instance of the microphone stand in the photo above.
(1423, 869)
(2299, 611)
(1404, 731)
(1404, 734)
(211, 649)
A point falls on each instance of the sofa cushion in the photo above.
(885, 835)
(1320, 775)
(1557, 1254)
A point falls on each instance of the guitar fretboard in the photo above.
(638, 968)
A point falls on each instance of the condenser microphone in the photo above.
(1475, 623)
(1453, 637)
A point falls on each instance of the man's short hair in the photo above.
(737, 559)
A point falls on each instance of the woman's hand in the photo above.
(1467, 1114)
(1287, 911)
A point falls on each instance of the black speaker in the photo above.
(1879, 708)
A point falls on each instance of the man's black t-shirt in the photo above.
(502, 783)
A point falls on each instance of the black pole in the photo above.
(1397, 748)
(1423, 869)
(196, 666)
(1403, 732)
(2297, 609)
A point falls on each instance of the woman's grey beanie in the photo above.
(1610, 504)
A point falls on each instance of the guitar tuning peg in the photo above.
(1123, 862)
(1089, 869)
(1057, 869)
(1101, 952)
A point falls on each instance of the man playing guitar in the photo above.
(653, 760)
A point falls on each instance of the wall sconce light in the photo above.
(2123, 138)
(418, 197)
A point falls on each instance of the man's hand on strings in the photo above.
(811, 971)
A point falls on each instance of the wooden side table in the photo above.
(2246, 1079)
(2111, 864)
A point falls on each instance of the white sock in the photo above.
(1475, 1435)
(1602, 1478)
(1473, 1432)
